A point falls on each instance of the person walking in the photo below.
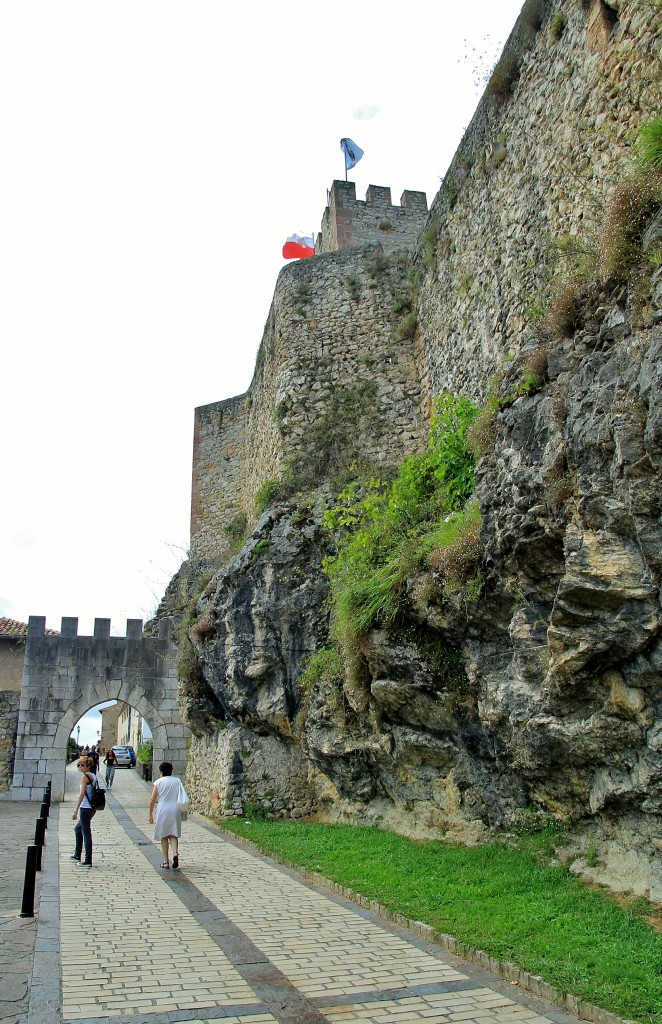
(84, 812)
(169, 798)
(110, 761)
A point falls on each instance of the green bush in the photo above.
(269, 492)
(399, 528)
(235, 530)
(146, 752)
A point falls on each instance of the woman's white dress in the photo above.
(168, 820)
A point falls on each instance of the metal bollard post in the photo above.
(44, 814)
(27, 907)
(47, 795)
(39, 839)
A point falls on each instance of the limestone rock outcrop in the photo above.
(544, 696)
(549, 692)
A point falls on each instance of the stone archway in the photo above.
(64, 676)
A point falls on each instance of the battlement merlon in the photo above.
(69, 629)
(348, 221)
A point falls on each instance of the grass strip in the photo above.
(497, 898)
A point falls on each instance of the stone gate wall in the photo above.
(64, 676)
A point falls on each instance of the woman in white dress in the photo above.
(168, 795)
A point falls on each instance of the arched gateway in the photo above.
(66, 675)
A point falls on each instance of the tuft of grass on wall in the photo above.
(649, 144)
(632, 204)
(557, 25)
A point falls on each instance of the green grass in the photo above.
(503, 900)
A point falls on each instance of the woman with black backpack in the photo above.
(84, 812)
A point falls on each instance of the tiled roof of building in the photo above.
(10, 627)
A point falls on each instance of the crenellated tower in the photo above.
(349, 222)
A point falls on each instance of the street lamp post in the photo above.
(78, 735)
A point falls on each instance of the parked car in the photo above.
(123, 755)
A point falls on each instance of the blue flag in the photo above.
(352, 153)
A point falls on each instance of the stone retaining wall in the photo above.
(9, 704)
(234, 771)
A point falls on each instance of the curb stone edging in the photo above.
(503, 968)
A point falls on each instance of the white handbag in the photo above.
(183, 802)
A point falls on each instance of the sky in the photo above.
(155, 156)
(90, 726)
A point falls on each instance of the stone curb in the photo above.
(503, 968)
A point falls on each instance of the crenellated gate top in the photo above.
(65, 675)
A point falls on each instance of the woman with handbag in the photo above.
(170, 799)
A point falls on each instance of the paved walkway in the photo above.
(230, 936)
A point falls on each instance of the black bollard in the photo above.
(47, 795)
(39, 839)
(27, 907)
(44, 814)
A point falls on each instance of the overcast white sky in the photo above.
(155, 156)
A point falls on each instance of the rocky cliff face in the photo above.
(546, 694)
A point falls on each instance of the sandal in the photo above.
(164, 865)
(175, 861)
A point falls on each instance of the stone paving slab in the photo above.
(231, 936)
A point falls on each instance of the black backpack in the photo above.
(97, 798)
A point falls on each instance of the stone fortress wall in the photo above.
(219, 439)
(335, 324)
(550, 137)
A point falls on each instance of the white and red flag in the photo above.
(298, 247)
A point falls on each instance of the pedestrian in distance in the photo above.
(84, 812)
(94, 754)
(170, 799)
(110, 761)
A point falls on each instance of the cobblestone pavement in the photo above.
(230, 936)
(17, 935)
